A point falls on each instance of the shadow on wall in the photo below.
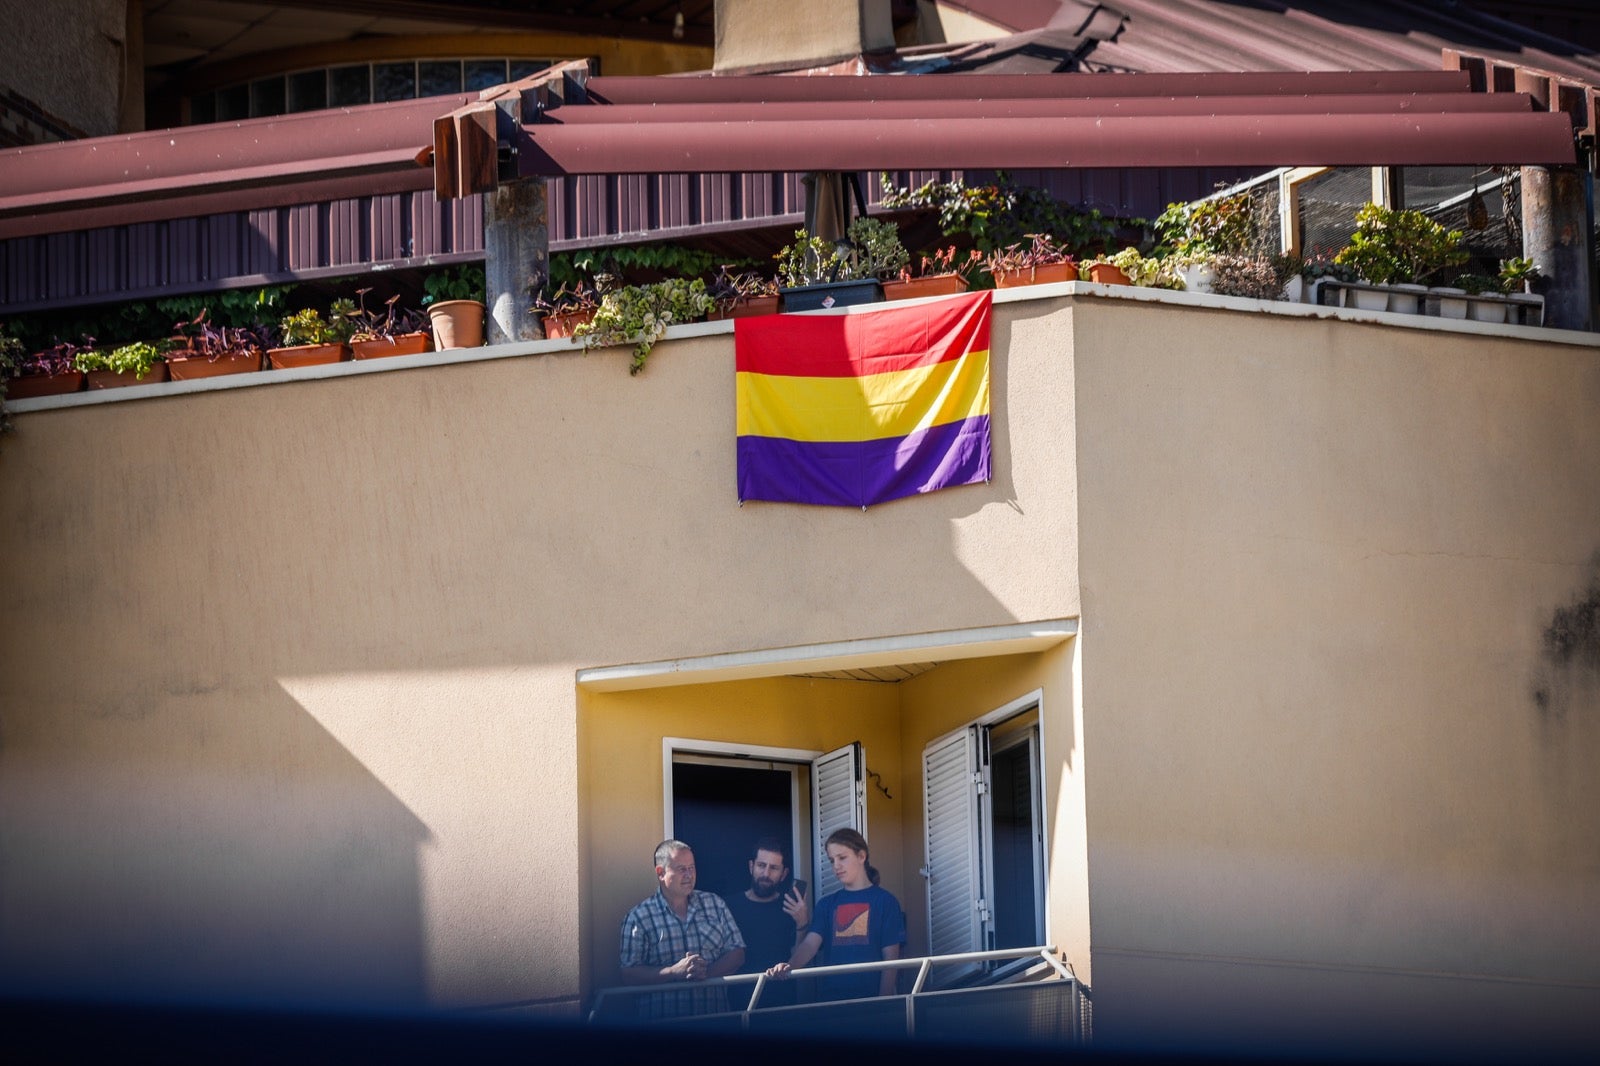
(201, 848)
(1568, 678)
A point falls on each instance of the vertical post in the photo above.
(1555, 235)
(516, 246)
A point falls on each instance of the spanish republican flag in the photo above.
(856, 409)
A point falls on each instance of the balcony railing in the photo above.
(985, 992)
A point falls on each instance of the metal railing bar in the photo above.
(924, 963)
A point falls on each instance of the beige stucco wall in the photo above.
(1313, 772)
(289, 683)
(1319, 564)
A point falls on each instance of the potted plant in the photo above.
(1195, 234)
(640, 314)
(1400, 250)
(203, 349)
(1040, 261)
(569, 307)
(394, 332)
(139, 363)
(813, 273)
(1255, 277)
(939, 273)
(454, 302)
(1131, 267)
(306, 339)
(49, 372)
(742, 295)
(1517, 274)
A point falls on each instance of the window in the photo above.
(984, 834)
(720, 799)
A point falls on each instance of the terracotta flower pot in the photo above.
(29, 386)
(935, 285)
(306, 355)
(197, 367)
(746, 306)
(558, 324)
(1106, 274)
(1037, 275)
(405, 344)
(456, 324)
(111, 379)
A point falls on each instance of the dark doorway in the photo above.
(1015, 838)
(721, 810)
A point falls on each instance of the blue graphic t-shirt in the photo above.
(855, 926)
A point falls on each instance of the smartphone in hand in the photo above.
(797, 885)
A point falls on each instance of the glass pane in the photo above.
(521, 68)
(482, 73)
(394, 81)
(233, 103)
(348, 85)
(308, 90)
(438, 78)
(266, 97)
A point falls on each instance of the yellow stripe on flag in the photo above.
(863, 408)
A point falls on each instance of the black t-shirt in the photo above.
(769, 937)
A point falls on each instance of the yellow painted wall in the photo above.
(959, 693)
(1320, 565)
(620, 755)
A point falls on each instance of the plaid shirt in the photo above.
(654, 935)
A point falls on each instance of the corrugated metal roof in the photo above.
(1153, 36)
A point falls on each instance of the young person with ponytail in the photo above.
(861, 922)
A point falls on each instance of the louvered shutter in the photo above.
(954, 869)
(838, 801)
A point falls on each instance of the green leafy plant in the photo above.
(1216, 226)
(1515, 274)
(1001, 213)
(633, 262)
(1147, 271)
(136, 359)
(10, 365)
(1400, 246)
(307, 326)
(566, 299)
(466, 282)
(640, 314)
(872, 249)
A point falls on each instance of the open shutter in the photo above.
(838, 801)
(954, 873)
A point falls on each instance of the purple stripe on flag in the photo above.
(861, 473)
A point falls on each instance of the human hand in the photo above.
(778, 972)
(794, 905)
(691, 967)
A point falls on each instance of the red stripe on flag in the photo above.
(868, 342)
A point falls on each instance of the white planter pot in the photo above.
(1452, 302)
(1197, 277)
(1367, 299)
(1486, 309)
(1407, 299)
(1294, 290)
